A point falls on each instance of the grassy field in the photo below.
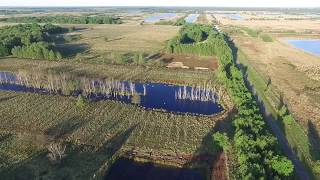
(97, 133)
(124, 38)
(119, 72)
(30, 122)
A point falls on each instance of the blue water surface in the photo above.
(235, 16)
(157, 96)
(158, 17)
(191, 18)
(311, 46)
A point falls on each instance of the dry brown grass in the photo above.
(271, 25)
(125, 38)
(285, 66)
(202, 19)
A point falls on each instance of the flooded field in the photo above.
(191, 18)
(124, 169)
(158, 17)
(181, 99)
(235, 16)
(311, 46)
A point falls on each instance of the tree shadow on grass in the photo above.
(81, 161)
(71, 50)
(65, 127)
(6, 98)
(209, 153)
(314, 141)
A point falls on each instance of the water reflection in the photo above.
(182, 99)
(125, 169)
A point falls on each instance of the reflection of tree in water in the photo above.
(67, 84)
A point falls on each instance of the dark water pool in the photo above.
(180, 99)
(125, 169)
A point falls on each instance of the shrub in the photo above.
(138, 58)
(316, 167)
(288, 119)
(222, 140)
(81, 101)
(282, 166)
(56, 152)
(3, 51)
(251, 32)
(266, 38)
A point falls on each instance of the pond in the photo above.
(158, 17)
(235, 16)
(311, 46)
(125, 169)
(191, 18)
(180, 99)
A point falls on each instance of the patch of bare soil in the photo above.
(177, 159)
(219, 170)
(184, 61)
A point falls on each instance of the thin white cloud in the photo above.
(225, 3)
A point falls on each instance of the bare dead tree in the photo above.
(56, 152)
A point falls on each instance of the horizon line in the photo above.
(160, 6)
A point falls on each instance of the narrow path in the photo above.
(299, 169)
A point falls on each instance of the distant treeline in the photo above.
(257, 150)
(65, 19)
(29, 41)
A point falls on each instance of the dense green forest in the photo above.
(29, 41)
(65, 19)
(257, 150)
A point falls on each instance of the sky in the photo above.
(203, 3)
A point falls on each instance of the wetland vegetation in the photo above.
(149, 93)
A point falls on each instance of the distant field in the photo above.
(125, 38)
(273, 22)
